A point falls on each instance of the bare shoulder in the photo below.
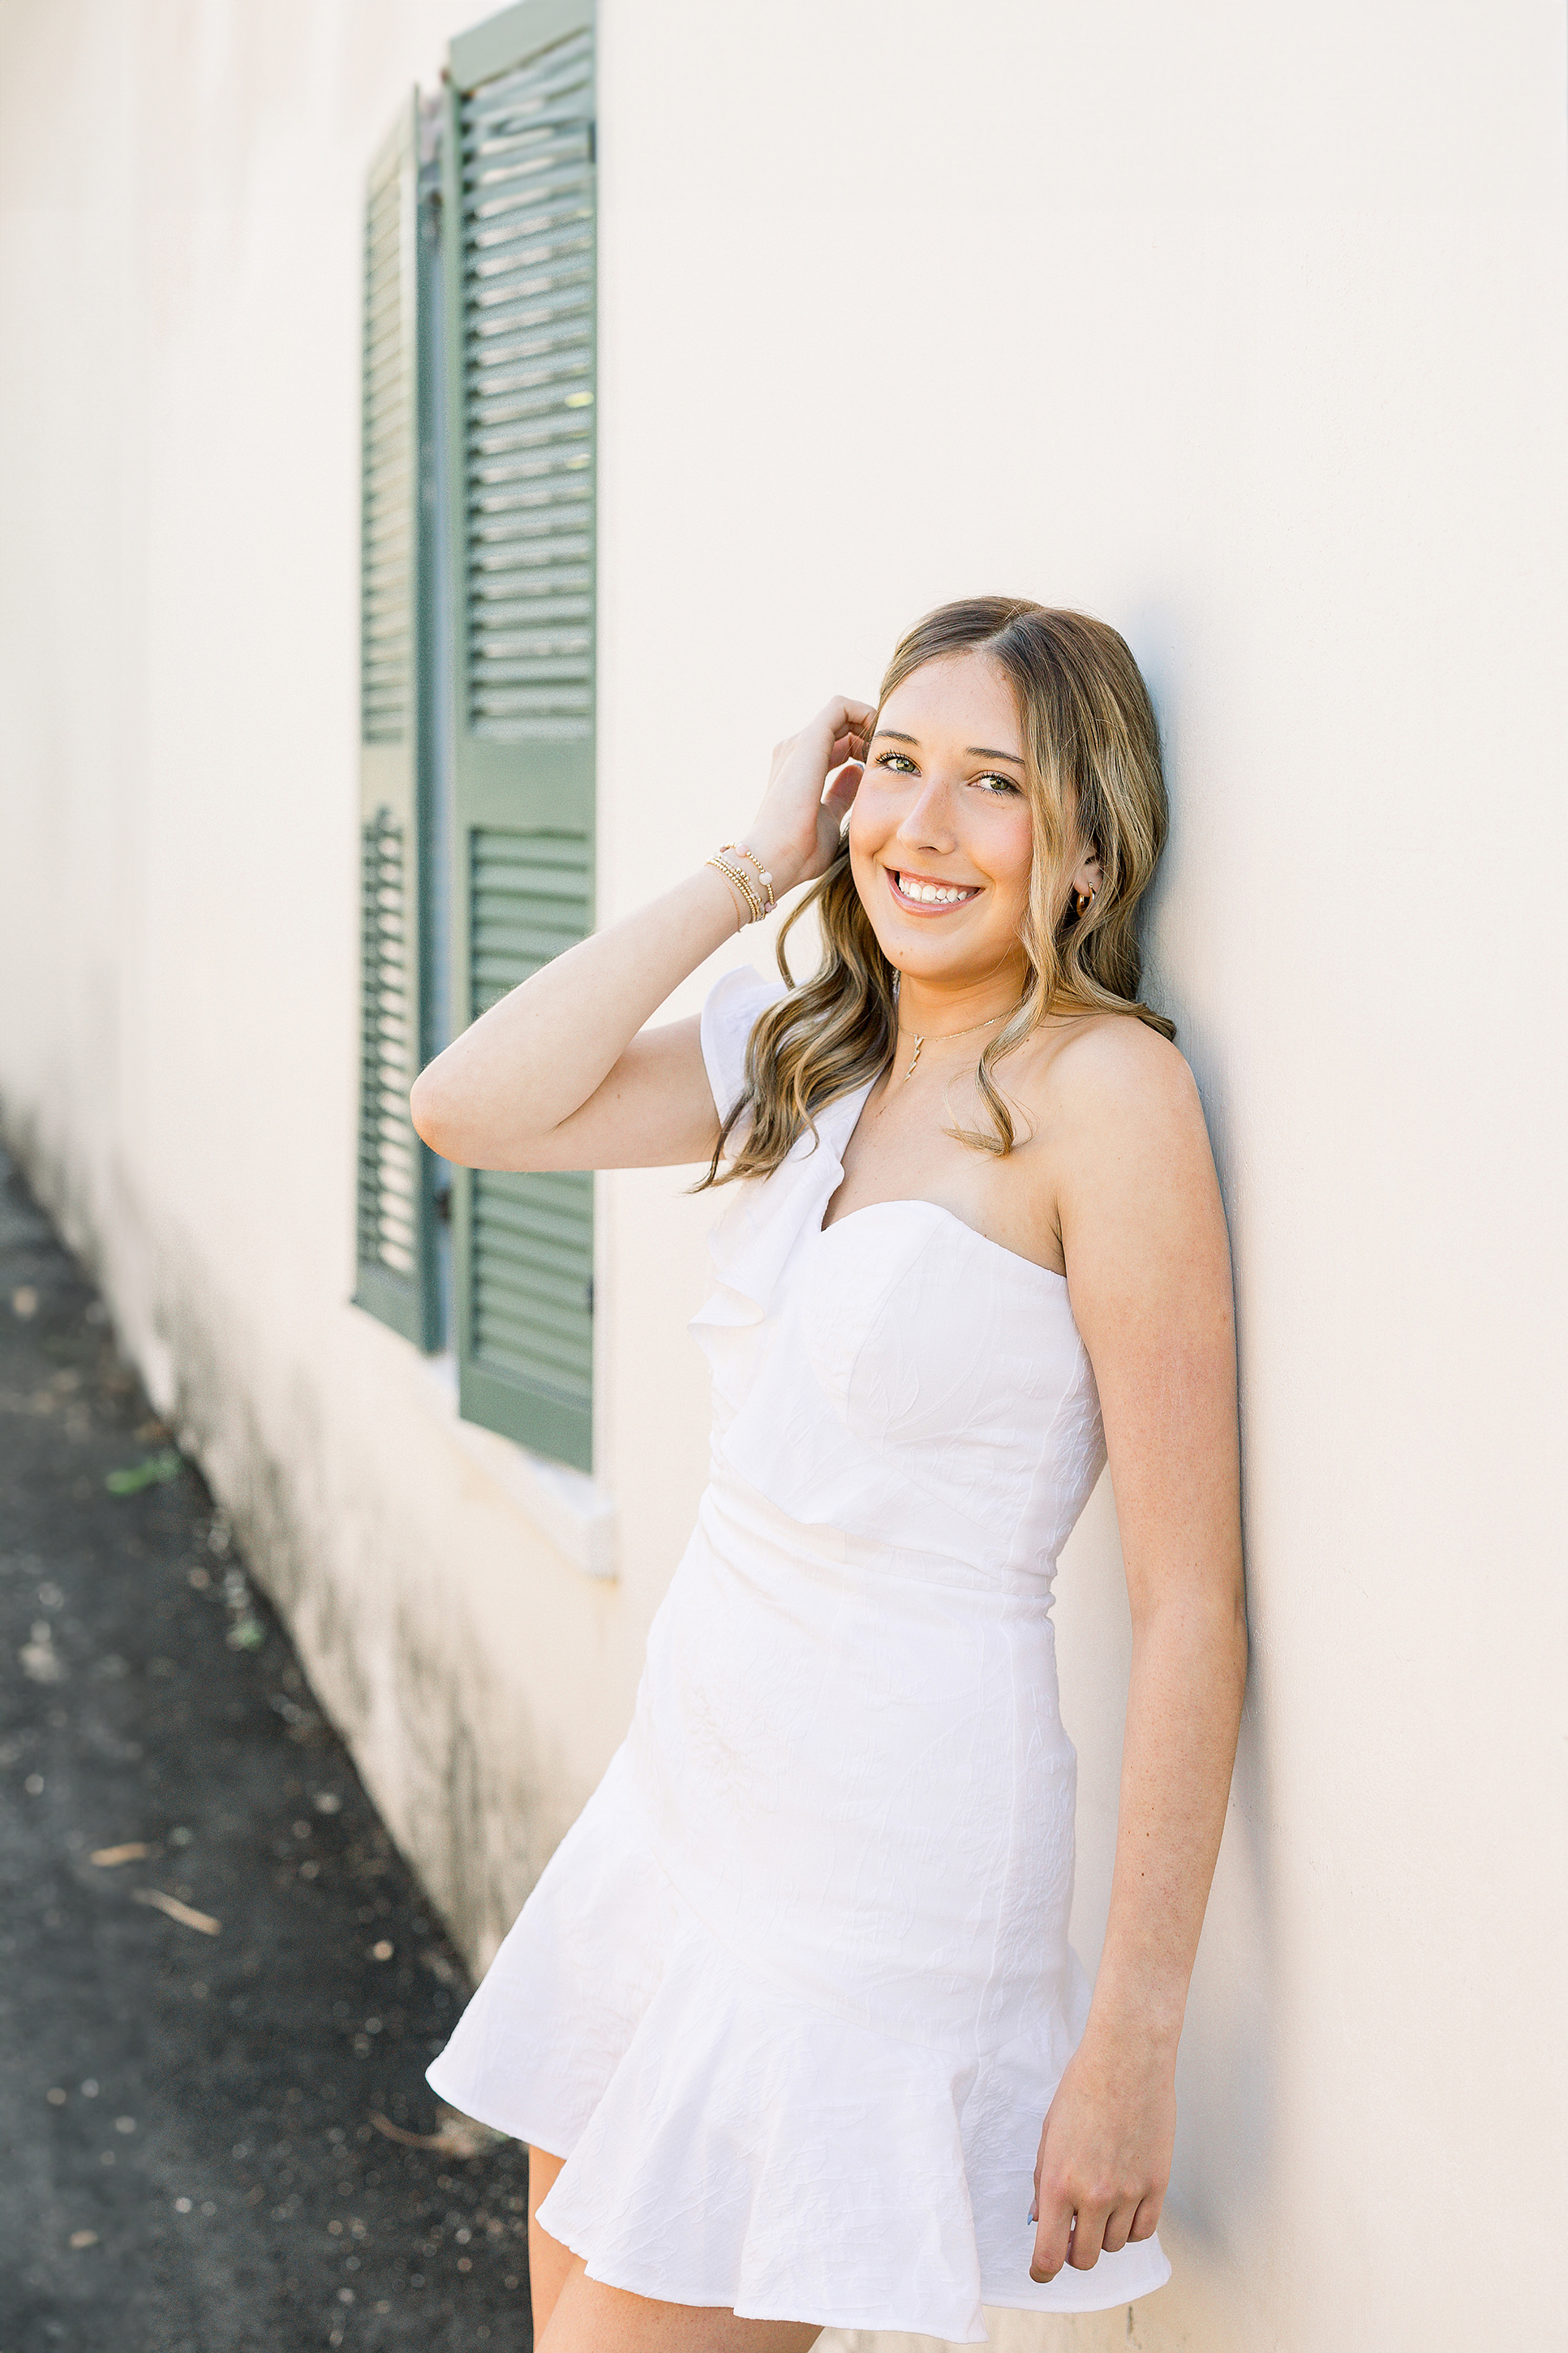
(1116, 1161)
(1110, 1075)
(1136, 1200)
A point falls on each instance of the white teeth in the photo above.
(932, 894)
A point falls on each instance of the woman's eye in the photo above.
(900, 765)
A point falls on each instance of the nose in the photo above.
(927, 823)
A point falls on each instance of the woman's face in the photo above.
(941, 834)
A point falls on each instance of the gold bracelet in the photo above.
(769, 900)
(743, 885)
(738, 874)
(734, 875)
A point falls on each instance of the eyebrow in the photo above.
(975, 750)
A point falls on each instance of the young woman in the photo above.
(791, 2024)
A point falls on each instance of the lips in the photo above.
(929, 894)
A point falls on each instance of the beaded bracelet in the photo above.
(752, 860)
(743, 883)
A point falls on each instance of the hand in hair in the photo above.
(795, 831)
(569, 1071)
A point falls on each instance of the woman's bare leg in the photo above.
(550, 2264)
(589, 2317)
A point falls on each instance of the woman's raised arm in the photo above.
(563, 1073)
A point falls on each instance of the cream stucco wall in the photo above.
(1245, 328)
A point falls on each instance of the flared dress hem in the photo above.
(723, 2141)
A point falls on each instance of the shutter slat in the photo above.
(567, 393)
(533, 509)
(557, 558)
(529, 457)
(529, 250)
(534, 603)
(539, 1251)
(544, 195)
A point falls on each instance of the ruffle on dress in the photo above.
(728, 2144)
(760, 1225)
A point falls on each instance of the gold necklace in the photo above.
(973, 1025)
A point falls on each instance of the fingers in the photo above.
(1103, 2162)
(1078, 2240)
(1118, 2229)
(844, 714)
(1053, 2241)
(1146, 2219)
(1054, 2216)
(847, 726)
(844, 787)
(1075, 2240)
(1088, 2239)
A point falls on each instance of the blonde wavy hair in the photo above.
(1091, 747)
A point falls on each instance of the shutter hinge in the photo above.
(588, 1293)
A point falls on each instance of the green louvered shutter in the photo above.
(396, 1270)
(519, 230)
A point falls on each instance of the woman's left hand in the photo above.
(1105, 2155)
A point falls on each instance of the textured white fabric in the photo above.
(793, 1994)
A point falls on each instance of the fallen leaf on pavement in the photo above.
(177, 1911)
(107, 1856)
(458, 2136)
(152, 1473)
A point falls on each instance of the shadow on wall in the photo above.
(1228, 2069)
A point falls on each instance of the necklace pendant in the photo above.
(989, 1023)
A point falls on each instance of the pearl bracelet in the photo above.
(752, 860)
(743, 883)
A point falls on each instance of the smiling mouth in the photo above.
(925, 896)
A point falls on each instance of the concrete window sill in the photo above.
(572, 1510)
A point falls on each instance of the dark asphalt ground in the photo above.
(192, 2157)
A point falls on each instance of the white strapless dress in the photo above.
(794, 1992)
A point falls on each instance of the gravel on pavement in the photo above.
(220, 1985)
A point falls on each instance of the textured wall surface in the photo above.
(1243, 328)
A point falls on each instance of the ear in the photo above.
(1087, 875)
